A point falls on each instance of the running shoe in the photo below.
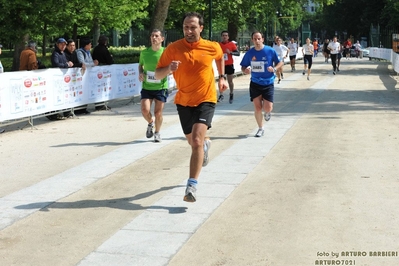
(149, 132)
(308, 78)
(278, 82)
(303, 72)
(190, 195)
(282, 76)
(267, 116)
(207, 146)
(231, 98)
(221, 98)
(157, 137)
(260, 133)
(334, 72)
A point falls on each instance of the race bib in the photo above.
(151, 77)
(258, 66)
(226, 57)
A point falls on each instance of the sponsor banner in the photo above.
(29, 93)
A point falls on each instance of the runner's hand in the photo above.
(174, 65)
(222, 83)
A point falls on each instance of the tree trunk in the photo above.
(160, 14)
(75, 32)
(18, 47)
(232, 28)
(96, 33)
(44, 40)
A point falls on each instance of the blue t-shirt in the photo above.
(259, 61)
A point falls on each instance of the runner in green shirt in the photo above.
(153, 90)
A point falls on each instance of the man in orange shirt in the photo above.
(315, 47)
(190, 60)
(229, 49)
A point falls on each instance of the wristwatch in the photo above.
(223, 76)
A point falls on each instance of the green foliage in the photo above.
(126, 55)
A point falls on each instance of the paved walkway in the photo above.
(320, 187)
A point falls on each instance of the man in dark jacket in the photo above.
(104, 57)
(101, 52)
(58, 58)
(70, 53)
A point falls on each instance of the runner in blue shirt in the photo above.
(261, 62)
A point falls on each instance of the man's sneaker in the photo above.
(282, 76)
(231, 98)
(149, 132)
(221, 98)
(157, 137)
(303, 72)
(334, 72)
(207, 146)
(190, 195)
(267, 116)
(260, 132)
(308, 78)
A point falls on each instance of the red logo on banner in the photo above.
(28, 83)
(67, 79)
(125, 72)
(100, 75)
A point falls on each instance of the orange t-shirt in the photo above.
(228, 58)
(194, 78)
(315, 45)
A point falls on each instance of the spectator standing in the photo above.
(84, 54)
(293, 46)
(229, 49)
(101, 52)
(71, 55)
(196, 97)
(153, 90)
(261, 62)
(358, 47)
(27, 59)
(307, 51)
(282, 52)
(85, 58)
(335, 49)
(59, 60)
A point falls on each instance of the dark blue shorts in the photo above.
(267, 91)
(160, 95)
(189, 116)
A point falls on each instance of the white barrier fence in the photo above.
(386, 54)
(27, 94)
